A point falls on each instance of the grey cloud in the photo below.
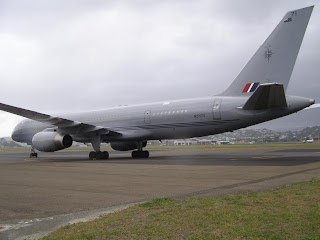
(60, 56)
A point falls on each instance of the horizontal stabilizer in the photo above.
(268, 95)
(317, 105)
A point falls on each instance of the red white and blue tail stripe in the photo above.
(250, 87)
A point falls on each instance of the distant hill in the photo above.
(267, 135)
(293, 122)
(8, 142)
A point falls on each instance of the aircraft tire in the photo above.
(33, 155)
(104, 155)
(134, 154)
(92, 155)
(98, 155)
(146, 154)
(140, 154)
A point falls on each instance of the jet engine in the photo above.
(51, 141)
(126, 146)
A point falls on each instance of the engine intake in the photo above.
(126, 146)
(51, 141)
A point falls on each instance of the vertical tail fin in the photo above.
(275, 59)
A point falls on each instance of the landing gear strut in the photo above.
(97, 154)
(140, 153)
(33, 153)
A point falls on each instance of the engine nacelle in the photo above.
(126, 146)
(51, 141)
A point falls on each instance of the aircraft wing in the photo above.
(66, 125)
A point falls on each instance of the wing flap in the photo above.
(268, 95)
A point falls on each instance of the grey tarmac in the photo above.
(40, 195)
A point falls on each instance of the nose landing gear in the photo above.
(33, 153)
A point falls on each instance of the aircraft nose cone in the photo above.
(15, 133)
(312, 101)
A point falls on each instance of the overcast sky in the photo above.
(68, 56)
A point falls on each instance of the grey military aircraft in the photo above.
(256, 95)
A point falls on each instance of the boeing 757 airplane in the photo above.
(255, 96)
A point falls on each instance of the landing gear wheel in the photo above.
(33, 155)
(140, 154)
(104, 155)
(146, 154)
(134, 154)
(98, 155)
(92, 155)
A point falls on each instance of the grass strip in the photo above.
(14, 149)
(290, 212)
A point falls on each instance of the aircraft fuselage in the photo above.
(169, 119)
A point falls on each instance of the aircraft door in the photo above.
(147, 116)
(216, 109)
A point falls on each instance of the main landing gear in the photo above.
(97, 154)
(140, 153)
(33, 153)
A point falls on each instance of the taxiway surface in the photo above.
(67, 182)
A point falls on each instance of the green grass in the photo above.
(17, 149)
(291, 212)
